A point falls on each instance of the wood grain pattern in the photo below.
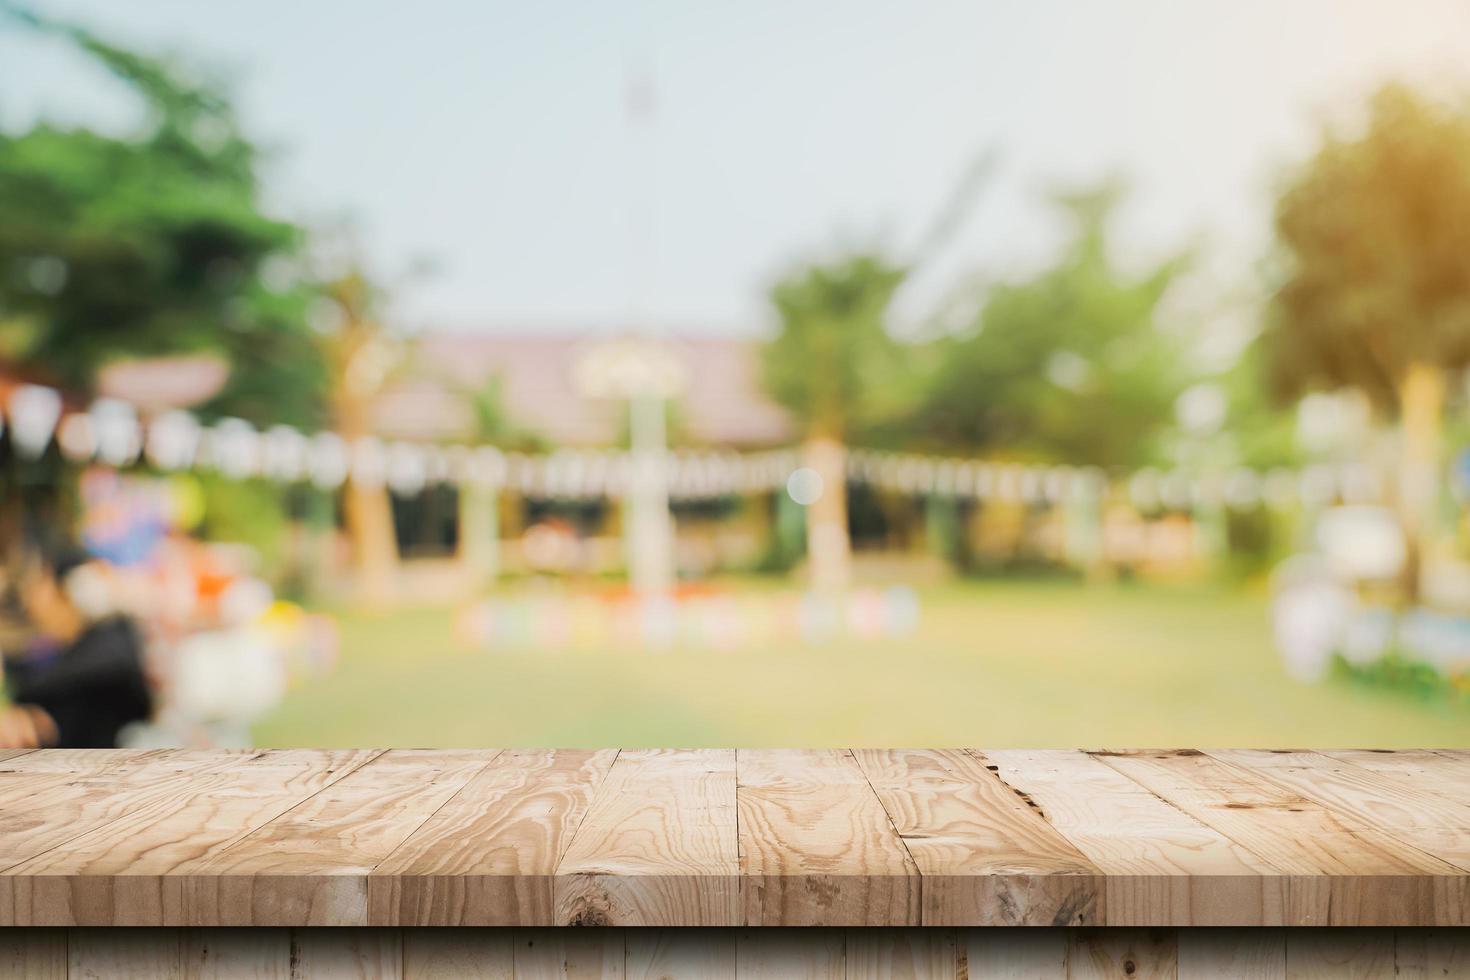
(937, 953)
(1162, 866)
(126, 954)
(569, 954)
(55, 798)
(1340, 870)
(1122, 954)
(36, 954)
(791, 954)
(126, 871)
(347, 954)
(1327, 954)
(489, 856)
(987, 858)
(816, 845)
(1428, 820)
(667, 954)
(658, 846)
(904, 954)
(458, 954)
(1241, 954)
(309, 866)
(719, 837)
(1015, 954)
(237, 954)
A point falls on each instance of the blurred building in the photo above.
(722, 404)
(454, 386)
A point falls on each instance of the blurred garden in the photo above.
(1099, 502)
(1000, 662)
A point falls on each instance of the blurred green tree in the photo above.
(831, 363)
(1069, 365)
(1373, 288)
(151, 244)
(363, 358)
(834, 365)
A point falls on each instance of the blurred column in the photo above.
(648, 376)
(479, 533)
(650, 528)
(827, 545)
(1082, 514)
(1422, 406)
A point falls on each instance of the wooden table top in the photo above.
(881, 837)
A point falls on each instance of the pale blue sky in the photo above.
(494, 139)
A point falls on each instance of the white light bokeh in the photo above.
(805, 486)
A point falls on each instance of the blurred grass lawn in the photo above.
(992, 664)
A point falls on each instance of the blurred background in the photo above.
(655, 374)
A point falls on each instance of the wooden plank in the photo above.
(1015, 954)
(1340, 870)
(986, 857)
(309, 866)
(831, 837)
(658, 846)
(816, 845)
(1122, 954)
(1415, 770)
(1443, 952)
(70, 792)
(347, 954)
(676, 954)
(126, 954)
(1407, 810)
(999, 953)
(124, 872)
(1338, 954)
(73, 761)
(1409, 761)
(458, 954)
(234, 954)
(488, 857)
(791, 954)
(569, 954)
(905, 954)
(1241, 954)
(1163, 867)
(57, 799)
(35, 954)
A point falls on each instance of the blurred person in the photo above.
(81, 680)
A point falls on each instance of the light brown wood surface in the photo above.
(489, 856)
(817, 846)
(1163, 866)
(986, 856)
(747, 838)
(1338, 868)
(658, 845)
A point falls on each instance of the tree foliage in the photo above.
(832, 362)
(1375, 234)
(150, 244)
(1069, 364)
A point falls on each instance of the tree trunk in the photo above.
(1421, 407)
(829, 550)
(369, 518)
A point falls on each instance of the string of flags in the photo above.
(112, 432)
(1239, 488)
